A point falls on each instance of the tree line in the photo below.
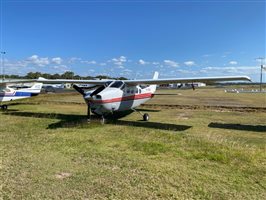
(66, 75)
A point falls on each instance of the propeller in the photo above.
(80, 90)
(193, 86)
(95, 92)
(98, 90)
(89, 112)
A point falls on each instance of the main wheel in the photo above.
(146, 117)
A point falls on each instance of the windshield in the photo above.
(117, 84)
(107, 83)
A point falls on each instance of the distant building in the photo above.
(189, 85)
(182, 85)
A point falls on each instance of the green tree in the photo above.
(68, 75)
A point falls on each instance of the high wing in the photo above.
(151, 81)
(5, 83)
(134, 82)
(8, 82)
(187, 80)
(54, 81)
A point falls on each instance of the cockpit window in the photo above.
(116, 84)
(107, 83)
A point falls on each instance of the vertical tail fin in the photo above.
(153, 87)
(36, 87)
(33, 90)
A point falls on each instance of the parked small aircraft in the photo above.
(10, 94)
(110, 97)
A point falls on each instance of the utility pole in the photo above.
(261, 68)
(2, 64)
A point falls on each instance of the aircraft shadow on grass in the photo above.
(153, 125)
(242, 127)
(71, 120)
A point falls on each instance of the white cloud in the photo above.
(119, 61)
(74, 59)
(142, 62)
(57, 60)
(61, 68)
(233, 62)
(260, 60)
(102, 64)
(206, 55)
(89, 62)
(170, 63)
(241, 70)
(189, 63)
(15, 64)
(36, 60)
(155, 63)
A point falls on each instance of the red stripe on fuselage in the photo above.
(125, 98)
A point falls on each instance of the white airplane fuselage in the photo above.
(10, 94)
(114, 100)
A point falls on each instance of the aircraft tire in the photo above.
(146, 117)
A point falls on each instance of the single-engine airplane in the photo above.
(10, 94)
(110, 97)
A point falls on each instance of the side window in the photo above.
(128, 91)
(139, 91)
(132, 91)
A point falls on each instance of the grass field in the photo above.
(48, 151)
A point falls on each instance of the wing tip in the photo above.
(247, 78)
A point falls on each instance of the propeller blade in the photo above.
(98, 90)
(88, 113)
(80, 90)
(193, 86)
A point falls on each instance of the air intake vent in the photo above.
(98, 97)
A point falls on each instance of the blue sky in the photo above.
(134, 38)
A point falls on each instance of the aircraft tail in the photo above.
(36, 87)
(153, 87)
(33, 90)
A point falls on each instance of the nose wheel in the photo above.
(103, 120)
(146, 117)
